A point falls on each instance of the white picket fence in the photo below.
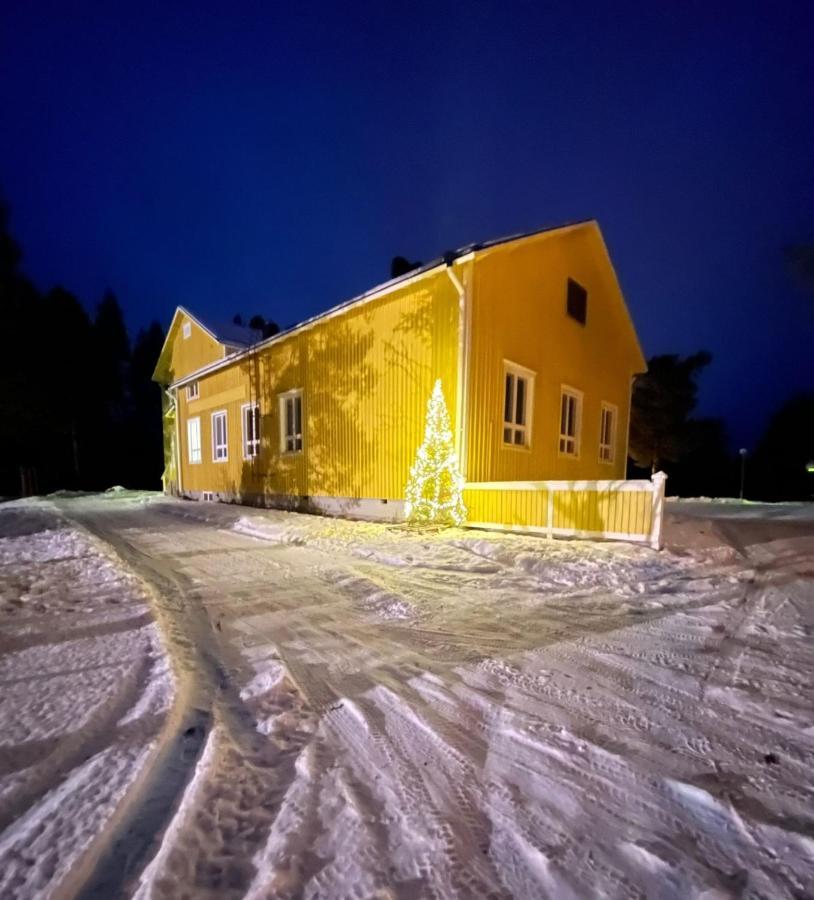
(613, 510)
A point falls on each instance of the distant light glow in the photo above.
(434, 493)
(810, 467)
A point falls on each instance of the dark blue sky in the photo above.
(274, 157)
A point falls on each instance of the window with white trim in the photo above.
(607, 432)
(194, 440)
(251, 430)
(570, 421)
(220, 447)
(518, 400)
(291, 422)
(193, 390)
(186, 329)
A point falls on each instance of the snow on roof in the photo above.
(232, 334)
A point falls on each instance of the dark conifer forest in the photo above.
(78, 409)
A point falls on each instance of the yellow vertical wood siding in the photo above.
(181, 355)
(366, 376)
(519, 314)
(367, 371)
(596, 510)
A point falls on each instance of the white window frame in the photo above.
(251, 448)
(193, 390)
(286, 439)
(525, 429)
(568, 444)
(607, 451)
(224, 447)
(197, 457)
(186, 330)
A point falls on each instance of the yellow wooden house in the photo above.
(529, 335)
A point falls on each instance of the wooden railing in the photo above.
(613, 510)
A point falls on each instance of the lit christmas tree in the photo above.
(435, 489)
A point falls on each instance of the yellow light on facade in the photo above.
(434, 494)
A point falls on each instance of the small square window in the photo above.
(186, 329)
(576, 303)
(193, 391)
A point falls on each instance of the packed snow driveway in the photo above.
(85, 701)
(460, 714)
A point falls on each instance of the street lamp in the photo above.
(742, 452)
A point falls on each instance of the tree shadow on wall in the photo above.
(415, 351)
(333, 368)
(366, 380)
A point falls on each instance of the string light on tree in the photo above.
(434, 492)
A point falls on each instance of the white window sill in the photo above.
(523, 447)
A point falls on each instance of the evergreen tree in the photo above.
(75, 409)
(434, 491)
(145, 436)
(662, 401)
(267, 327)
(400, 265)
(779, 468)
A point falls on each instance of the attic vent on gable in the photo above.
(186, 330)
(576, 304)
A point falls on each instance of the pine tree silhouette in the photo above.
(434, 491)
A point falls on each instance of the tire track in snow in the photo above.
(207, 691)
(601, 770)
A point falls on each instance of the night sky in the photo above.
(273, 158)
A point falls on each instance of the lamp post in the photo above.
(742, 453)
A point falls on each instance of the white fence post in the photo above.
(657, 517)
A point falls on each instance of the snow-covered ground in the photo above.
(732, 508)
(86, 688)
(394, 713)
